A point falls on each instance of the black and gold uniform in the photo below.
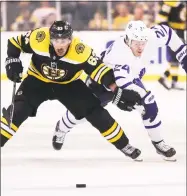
(51, 77)
(173, 14)
(46, 66)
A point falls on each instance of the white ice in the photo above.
(30, 166)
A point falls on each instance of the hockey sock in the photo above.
(166, 73)
(155, 134)
(7, 133)
(108, 127)
(68, 121)
(174, 74)
(153, 128)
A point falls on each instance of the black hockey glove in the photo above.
(181, 55)
(126, 99)
(14, 69)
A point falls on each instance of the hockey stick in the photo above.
(9, 116)
(12, 104)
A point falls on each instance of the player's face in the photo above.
(61, 45)
(137, 47)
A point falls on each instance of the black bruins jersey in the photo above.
(46, 66)
(174, 15)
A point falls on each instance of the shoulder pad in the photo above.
(40, 40)
(78, 51)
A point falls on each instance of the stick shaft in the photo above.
(12, 104)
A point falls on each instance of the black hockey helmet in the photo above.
(60, 29)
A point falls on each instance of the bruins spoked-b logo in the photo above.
(53, 73)
(40, 36)
(79, 48)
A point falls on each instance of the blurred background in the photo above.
(83, 15)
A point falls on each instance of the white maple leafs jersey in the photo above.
(127, 68)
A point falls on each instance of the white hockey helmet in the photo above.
(136, 30)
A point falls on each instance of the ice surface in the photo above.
(30, 166)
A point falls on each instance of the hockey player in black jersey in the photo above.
(57, 61)
(173, 14)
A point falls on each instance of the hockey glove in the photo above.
(126, 99)
(181, 55)
(14, 69)
(151, 109)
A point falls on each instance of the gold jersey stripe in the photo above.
(31, 69)
(176, 25)
(83, 76)
(112, 129)
(94, 73)
(37, 74)
(14, 43)
(117, 137)
(103, 73)
(34, 69)
(14, 127)
(7, 129)
(76, 76)
(4, 133)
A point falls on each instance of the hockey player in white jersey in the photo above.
(129, 57)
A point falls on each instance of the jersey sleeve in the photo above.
(120, 64)
(98, 71)
(164, 11)
(163, 35)
(18, 44)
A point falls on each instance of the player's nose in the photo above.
(141, 48)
